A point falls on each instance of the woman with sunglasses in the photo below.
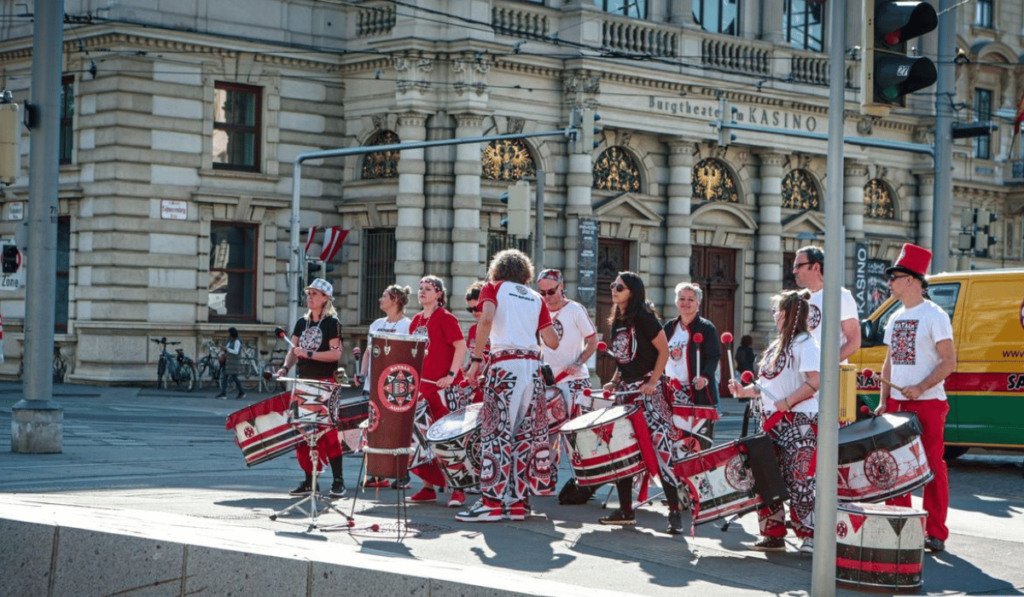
(788, 393)
(446, 347)
(640, 350)
(577, 339)
(472, 305)
(392, 302)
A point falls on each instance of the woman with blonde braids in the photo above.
(788, 389)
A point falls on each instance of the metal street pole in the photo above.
(37, 421)
(538, 225)
(944, 84)
(823, 567)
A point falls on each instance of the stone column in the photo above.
(768, 275)
(466, 267)
(926, 210)
(855, 176)
(410, 201)
(678, 247)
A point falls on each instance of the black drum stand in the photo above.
(315, 502)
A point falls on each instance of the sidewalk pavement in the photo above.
(160, 465)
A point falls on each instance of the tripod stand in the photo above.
(312, 433)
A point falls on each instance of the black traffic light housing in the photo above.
(888, 74)
(11, 259)
(976, 225)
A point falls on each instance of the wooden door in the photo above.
(612, 258)
(714, 268)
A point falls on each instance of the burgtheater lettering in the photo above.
(756, 116)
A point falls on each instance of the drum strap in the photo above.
(506, 355)
(643, 439)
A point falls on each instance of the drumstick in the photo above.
(282, 335)
(871, 374)
(603, 347)
(727, 339)
(748, 377)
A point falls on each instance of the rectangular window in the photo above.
(62, 296)
(718, 16)
(983, 113)
(498, 240)
(379, 253)
(628, 8)
(983, 13)
(803, 22)
(236, 127)
(232, 289)
(67, 115)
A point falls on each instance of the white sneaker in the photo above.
(807, 546)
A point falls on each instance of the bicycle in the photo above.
(209, 366)
(177, 367)
(60, 366)
(251, 373)
(269, 381)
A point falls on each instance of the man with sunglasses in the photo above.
(920, 357)
(809, 271)
(577, 339)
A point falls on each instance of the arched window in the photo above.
(615, 170)
(711, 181)
(507, 160)
(382, 164)
(799, 191)
(878, 202)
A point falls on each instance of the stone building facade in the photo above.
(181, 129)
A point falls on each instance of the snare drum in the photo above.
(603, 445)
(394, 385)
(347, 413)
(880, 547)
(262, 430)
(881, 457)
(455, 441)
(309, 402)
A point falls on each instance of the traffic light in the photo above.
(975, 235)
(314, 270)
(725, 136)
(589, 130)
(11, 259)
(887, 72)
(10, 135)
(517, 223)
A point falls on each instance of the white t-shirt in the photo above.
(573, 326)
(678, 367)
(382, 326)
(519, 314)
(789, 374)
(847, 310)
(911, 335)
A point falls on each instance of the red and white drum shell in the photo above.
(558, 410)
(455, 441)
(880, 548)
(348, 413)
(262, 430)
(720, 483)
(881, 457)
(394, 386)
(309, 400)
(603, 445)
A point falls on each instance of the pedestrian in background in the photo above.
(232, 363)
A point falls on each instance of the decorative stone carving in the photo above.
(413, 69)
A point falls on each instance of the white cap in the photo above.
(323, 286)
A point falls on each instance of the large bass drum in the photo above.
(394, 385)
(881, 458)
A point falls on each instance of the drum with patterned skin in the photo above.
(880, 548)
(262, 430)
(455, 441)
(881, 457)
(394, 385)
(603, 445)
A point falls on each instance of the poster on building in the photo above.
(586, 288)
(870, 288)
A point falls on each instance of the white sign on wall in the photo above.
(173, 210)
(16, 211)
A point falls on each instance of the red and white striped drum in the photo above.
(720, 481)
(881, 457)
(455, 441)
(603, 445)
(309, 402)
(262, 430)
(558, 411)
(394, 386)
(880, 548)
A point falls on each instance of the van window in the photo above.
(943, 295)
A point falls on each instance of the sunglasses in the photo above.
(797, 266)
(617, 287)
(548, 292)
(894, 277)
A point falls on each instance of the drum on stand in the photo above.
(603, 445)
(454, 440)
(881, 457)
(394, 386)
(262, 431)
(880, 548)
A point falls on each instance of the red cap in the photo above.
(913, 260)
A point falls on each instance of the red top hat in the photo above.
(913, 260)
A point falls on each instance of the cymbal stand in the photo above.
(315, 497)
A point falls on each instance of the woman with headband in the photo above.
(787, 390)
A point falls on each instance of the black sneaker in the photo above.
(303, 489)
(240, 396)
(768, 544)
(675, 522)
(618, 518)
(934, 544)
(221, 396)
(338, 488)
(403, 483)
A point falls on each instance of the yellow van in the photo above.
(986, 391)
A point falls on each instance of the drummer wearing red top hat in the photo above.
(920, 357)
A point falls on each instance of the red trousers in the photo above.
(932, 415)
(328, 447)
